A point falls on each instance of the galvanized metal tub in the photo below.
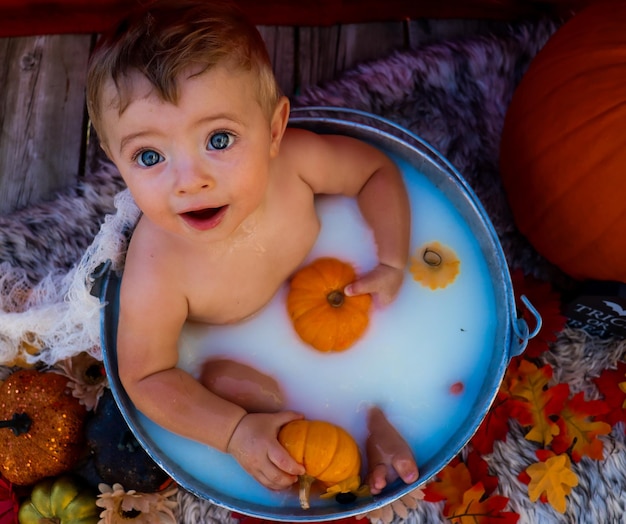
(509, 339)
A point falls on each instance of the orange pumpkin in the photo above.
(42, 426)
(563, 147)
(328, 453)
(322, 315)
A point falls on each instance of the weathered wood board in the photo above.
(42, 117)
(43, 125)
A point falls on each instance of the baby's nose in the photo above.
(194, 179)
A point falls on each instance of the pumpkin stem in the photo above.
(432, 258)
(336, 298)
(20, 423)
(305, 490)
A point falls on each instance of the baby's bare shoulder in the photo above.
(150, 268)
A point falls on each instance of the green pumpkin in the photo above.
(60, 501)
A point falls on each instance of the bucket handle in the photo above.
(521, 329)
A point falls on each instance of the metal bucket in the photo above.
(510, 337)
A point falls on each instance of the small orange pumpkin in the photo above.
(322, 315)
(328, 453)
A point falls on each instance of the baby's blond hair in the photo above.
(171, 36)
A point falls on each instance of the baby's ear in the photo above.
(279, 124)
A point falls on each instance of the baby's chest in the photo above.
(234, 286)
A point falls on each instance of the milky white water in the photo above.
(411, 355)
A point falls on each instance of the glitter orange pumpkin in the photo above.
(42, 426)
(322, 315)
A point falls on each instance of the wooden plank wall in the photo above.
(43, 128)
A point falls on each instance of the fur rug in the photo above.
(454, 95)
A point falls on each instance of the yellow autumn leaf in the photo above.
(537, 402)
(554, 478)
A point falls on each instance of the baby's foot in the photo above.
(388, 454)
(242, 385)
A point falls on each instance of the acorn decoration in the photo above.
(41, 426)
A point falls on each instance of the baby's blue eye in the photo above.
(149, 158)
(220, 140)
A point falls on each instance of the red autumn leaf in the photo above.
(479, 472)
(495, 425)
(608, 384)
(450, 484)
(536, 402)
(9, 504)
(477, 509)
(548, 304)
(579, 431)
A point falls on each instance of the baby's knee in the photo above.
(242, 385)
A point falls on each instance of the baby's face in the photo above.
(197, 168)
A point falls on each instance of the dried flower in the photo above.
(87, 378)
(124, 507)
(400, 508)
(435, 265)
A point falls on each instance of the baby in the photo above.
(184, 101)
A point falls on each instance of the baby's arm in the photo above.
(151, 316)
(335, 164)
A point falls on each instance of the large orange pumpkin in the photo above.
(328, 453)
(322, 315)
(563, 150)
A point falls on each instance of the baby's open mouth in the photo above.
(204, 218)
(204, 214)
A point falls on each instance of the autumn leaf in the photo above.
(611, 384)
(458, 478)
(579, 431)
(479, 472)
(548, 304)
(452, 481)
(495, 425)
(536, 402)
(476, 509)
(553, 478)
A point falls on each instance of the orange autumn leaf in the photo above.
(553, 479)
(579, 431)
(536, 402)
(477, 509)
(452, 481)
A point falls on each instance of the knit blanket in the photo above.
(453, 94)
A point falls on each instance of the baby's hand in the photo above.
(254, 444)
(383, 283)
